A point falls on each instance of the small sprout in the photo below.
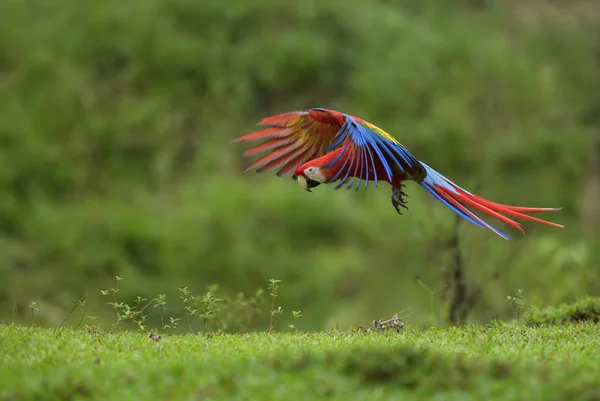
(114, 304)
(126, 312)
(190, 303)
(274, 293)
(297, 314)
(210, 308)
(161, 302)
(173, 322)
(517, 302)
(33, 307)
(139, 301)
(273, 287)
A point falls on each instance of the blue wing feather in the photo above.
(335, 177)
(363, 165)
(371, 145)
(372, 165)
(354, 177)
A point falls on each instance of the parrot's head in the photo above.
(308, 177)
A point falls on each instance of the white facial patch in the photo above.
(315, 174)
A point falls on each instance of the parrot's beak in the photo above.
(302, 181)
(306, 183)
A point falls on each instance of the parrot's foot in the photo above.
(398, 198)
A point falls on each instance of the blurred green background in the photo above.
(116, 116)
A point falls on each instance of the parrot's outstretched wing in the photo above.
(296, 137)
(366, 147)
(292, 138)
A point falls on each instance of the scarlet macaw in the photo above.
(323, 146)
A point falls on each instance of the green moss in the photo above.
(584, 310)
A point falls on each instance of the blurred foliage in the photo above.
(115, 119)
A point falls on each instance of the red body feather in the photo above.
(342, 166)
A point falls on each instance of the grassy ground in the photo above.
(480, 362)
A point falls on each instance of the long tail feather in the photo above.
(457, 199)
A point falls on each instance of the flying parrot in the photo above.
(321, 146)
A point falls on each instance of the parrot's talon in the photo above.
(398, 199)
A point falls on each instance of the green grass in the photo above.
(500, 361)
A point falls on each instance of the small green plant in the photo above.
(211, 309)
(173, 323)
(228, 312)
(134, 315)
(115, 305)
(161, 303)
(297, 314)
(124, 311)
(190, 303)
(33, 307)
(274, 293)
(516, 302)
